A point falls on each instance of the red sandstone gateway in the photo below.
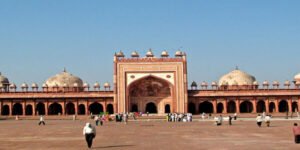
(153, 84)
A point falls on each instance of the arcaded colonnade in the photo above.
(72, 103)
(244, 101)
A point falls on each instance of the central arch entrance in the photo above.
(246, 107)
(151, 108)
(154, 89)
(206, 107)
(96, 108)
(55, 109)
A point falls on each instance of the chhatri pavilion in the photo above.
(154, 84)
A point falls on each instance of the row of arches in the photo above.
(55, 109)
(150, 108)
(244, 107)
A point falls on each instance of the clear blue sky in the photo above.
(39, 38)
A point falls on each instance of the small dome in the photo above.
(75, 85)
(64, 79)
(194, 84)
(204, 83)
(13, 86)
(287, 83)
(178, 53)
(255, 83)
(214, 83)
(237, 77)
(135, 54)
(120, 54)
(297, 77)
(45, 85)
(24, 85)
(86, 85)
(164, 54)
(276, 83)
(97, 85)
(149, 53)
(265, 83)
(297, 82)
(34, 85)
(3, 80)
(106, 85)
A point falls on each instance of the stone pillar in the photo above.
(298, 104)
(24, 107)
(63, 107)
(10, 108)
(290, 105)
(237, 105)
(254, 105)
(267, 105)
(215, 106)
(276, 106)
(76, 107)
(33, 108)
(87, 107)
(225, 106)
(1, 105)
(46, 107)
(104, 107)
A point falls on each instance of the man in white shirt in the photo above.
(268, 120)
(259, 120)
(42, 121)
(90, 133)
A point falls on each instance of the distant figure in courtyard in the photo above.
(96, 119)
(296, 131)
(219, 120)
(259, 120)
(42, 121)
(263, 115)
(90, 133)
(235, 116)
(268, 120)
(229, 120)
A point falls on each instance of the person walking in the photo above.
(235, 116)
(42, 121)
(296, 131)
(96, 119)
(229, 120)
(268, 120)
(259, 120)
(90, 133)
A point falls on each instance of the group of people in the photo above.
(122, 117)
(261, 118)
(179, 117)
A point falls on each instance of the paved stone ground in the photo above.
(67, 134)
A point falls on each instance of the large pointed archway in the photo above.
(151, 108)
(231, 107)
(96, 108)
(17, 109)
(55, 109)
(246, 107)
(206, 107)
(148, 92)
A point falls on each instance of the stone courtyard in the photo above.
(147, 134)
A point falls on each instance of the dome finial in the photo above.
(236, 67)
(65, 70)
(0, 73)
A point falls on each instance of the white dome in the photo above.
(34, 85)
(3, 80)
(149, 53)
(45, 85)
(12, 86)
(178, 53)
(134, 54)
(106, 85)
(86, 85)
(97, 85)
(164, 53)
(64, 79)
(120, 54)
(237, 77)
(297, 77)
(24, 85)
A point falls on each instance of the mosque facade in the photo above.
(149, 84)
